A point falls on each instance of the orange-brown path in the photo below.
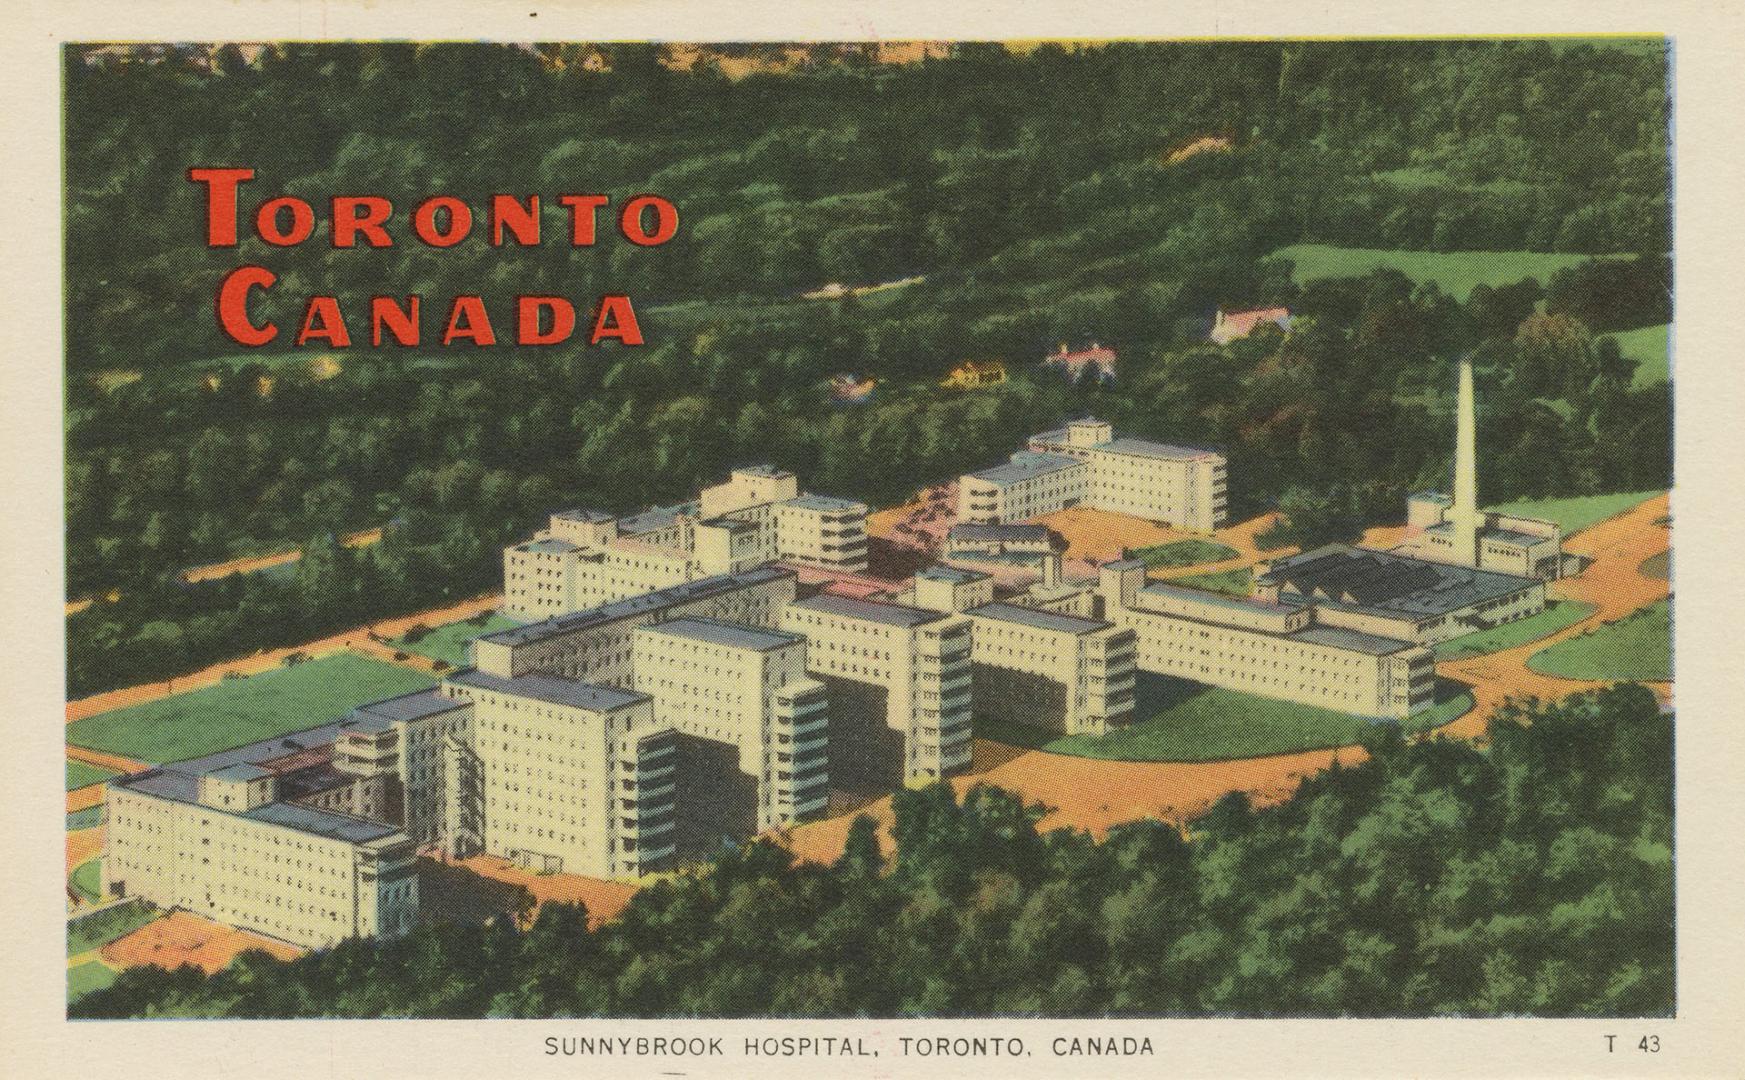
(1093, 795)
(1084, 793)
(83, 798)
(245, 565)
(184, 938)
(356, 639)
(250, 564)
(83, 845)
(1613, 583)
(604, 899)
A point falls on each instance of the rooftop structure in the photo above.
(1073, 364)
(1231, 326)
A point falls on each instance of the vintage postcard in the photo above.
(883, 555)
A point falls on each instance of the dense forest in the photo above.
(1434, 879)
(1039, 196)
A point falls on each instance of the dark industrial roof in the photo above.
(1012, 533)
(1387, 584)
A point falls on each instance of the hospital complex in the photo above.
(685, 677)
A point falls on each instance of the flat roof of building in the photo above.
(242, 770)
(729, 522)
(824, 503)
(414, 706)
(761, 469)
(1510, 537)
(1354, 640)
(951, 574)
(180, 782)
(1025, 465)
(266, 750)
(558, 625)
(596, 517)
(1044, 620)
(975, 531)
(869, 610)
(1136, 447)
(1431, 496)
(551, 545)
(1124, 564)
(716, 632)
(328, 823)
(1207, 596)
(654, 519)
(1128, 444)
(1394, 586)
(553, 689)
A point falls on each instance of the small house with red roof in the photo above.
(1073, 365)
(1234, 325)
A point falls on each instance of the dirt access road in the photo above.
(246, 565)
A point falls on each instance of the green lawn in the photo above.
(1456, 272)
(239, 711)
(1185, 553)
(87, 879)
(1575, 514)
(1557, 615)
(88, 818)
(1647, 347)
(450, 642)
(86, 977)
(1638, 646)
(99, 929)
(80, 774)
(1657, 566)
(1237, 582)
(1191, 722)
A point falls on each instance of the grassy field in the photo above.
(1235, 582)
(239, 711)
(88, 818)
(1648, 348)
(1185, 553)
(1557, 615)
(1190, 722)
(450, 642)
(87, 879)
(95, 931)
(1638, 646)
(80, 774)
(1573, 515)
(86, 977)
(1657, 566)
(1455, 272)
